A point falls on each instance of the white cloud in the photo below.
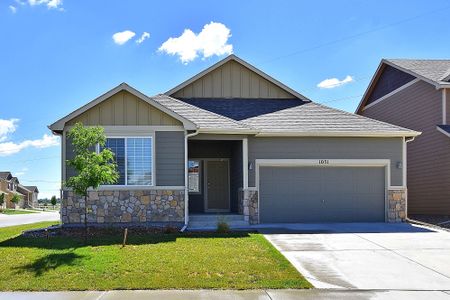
(8, 148)
(334, 82)
(22, 172)
(122, 37)
(13, 9)
(143, 37)
(51, 4)
(212, 40)
(7, 127)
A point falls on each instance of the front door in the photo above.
(217, 186)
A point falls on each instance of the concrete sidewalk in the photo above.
(12, 220)
(227, 294)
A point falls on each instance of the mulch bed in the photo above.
(437, 220)
(80, 232)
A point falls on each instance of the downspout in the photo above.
(186, 179)
(405, 165)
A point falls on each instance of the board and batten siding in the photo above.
(419, 107)
(390, 79)
(169, 155)
(124, 109)
(326, 148)
(232, 80)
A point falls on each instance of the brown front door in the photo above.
(217, 186)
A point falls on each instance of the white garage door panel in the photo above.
(322, 194)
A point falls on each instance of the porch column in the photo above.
(245, 163)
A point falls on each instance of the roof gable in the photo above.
(124, 109)
(92, 114)
(232, 77)
(5, 175)
(389, 79)
(433, 71)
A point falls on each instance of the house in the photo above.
(8, 187)
(233, 140)
(30, 193)
(416, 94)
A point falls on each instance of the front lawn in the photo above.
(17, 212)
(153, 261)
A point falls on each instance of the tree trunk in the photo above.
(85, 218)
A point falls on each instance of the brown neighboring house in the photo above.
(30, 193)
(10, 185)
(415, 94)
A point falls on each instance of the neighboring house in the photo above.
(30, 193)
(9, 186)
(247, 145)
(416, 94)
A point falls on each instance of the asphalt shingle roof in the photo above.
(240, 109)
(204, 119)
(4, 175)
(436, 70)
(316, 118)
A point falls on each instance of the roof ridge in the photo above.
(419, 59)
(279, 111)
(204, 110)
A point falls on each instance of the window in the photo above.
(194, 176)
(134, 160)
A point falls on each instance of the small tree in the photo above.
(53, 201)
(2, 200)
(15, 199)
(93, 169)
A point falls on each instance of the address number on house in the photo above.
(324, 162)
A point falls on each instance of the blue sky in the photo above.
(57, 55)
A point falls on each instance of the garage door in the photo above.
(322, 194)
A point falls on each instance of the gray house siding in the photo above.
(169, 157)
(419, 107)
(327, 148)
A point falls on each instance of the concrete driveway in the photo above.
(376, 256)
(11, 220)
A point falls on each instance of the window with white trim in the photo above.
(134, 159)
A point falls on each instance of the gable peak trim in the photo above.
(233, 57)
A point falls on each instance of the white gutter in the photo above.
(186, 179)
(339, 134)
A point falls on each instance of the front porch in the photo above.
(216, 176)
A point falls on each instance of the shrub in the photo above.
(170, 229)
(15, 199)
(223, 227)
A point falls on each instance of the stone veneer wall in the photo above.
(124, 206)
(396, 205)
(248, 205)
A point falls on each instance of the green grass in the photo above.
(17, 212)
(154, 261)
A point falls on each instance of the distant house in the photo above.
(30, 193)
(416, 94)
(235, 141)
(10, 186)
